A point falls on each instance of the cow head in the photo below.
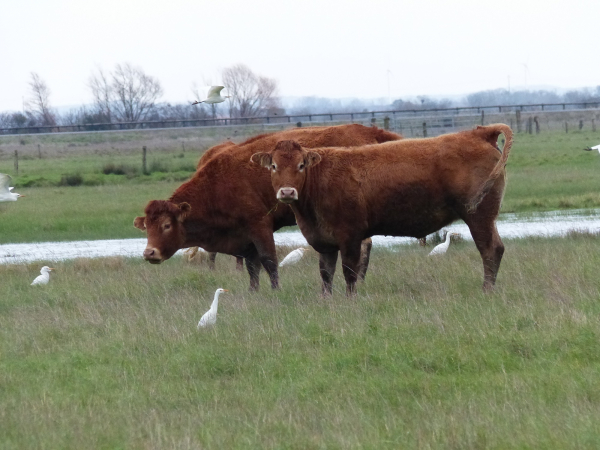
(164, 225)
(288, 163)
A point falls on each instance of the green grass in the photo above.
(98, 170)
(108, 355)
(78, 213)
(551, 171)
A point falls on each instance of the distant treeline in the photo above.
(304, 105)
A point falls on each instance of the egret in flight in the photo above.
(443, 247)
(6, 194)
(293, 257)
(214, 96)
(595, 147)
(210, 316)
(44, 278)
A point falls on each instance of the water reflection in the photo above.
(509, 226)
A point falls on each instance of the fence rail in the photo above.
(300, 118)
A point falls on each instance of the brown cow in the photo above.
(406, 188)
(228, 206)
(208, 154)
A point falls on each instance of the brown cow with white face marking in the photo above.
(228, 206)
(410, 187)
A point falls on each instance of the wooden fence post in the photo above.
(566, 127)
(537, 125)
(424, 129)
(580, 124)
(144, 167)
(593, 125)
(530, 125)
(482, 117)
(518, 114)
(16, 162)
(386, 123)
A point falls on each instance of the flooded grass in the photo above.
(108, 356)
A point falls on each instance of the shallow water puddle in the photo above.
(509, 226)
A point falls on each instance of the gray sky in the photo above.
(324, 48)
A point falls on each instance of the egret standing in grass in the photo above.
(210, 316)
(595, 147)
(443, 247)
(192, 252)
(44, 278)
(293, 257)
(214, 96)
(5, 190)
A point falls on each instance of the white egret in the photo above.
(192, 252)
(44, 278)
(595, 147)
(214, 96)
(293, 257)
(443, 247)
(5, 190)
(210, 316)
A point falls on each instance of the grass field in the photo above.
(546, 172)
(107, 356)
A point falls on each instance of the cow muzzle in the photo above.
(153, 256)
(287, 194)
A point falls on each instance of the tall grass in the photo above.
(108, 355)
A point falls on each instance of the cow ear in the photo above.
(140, 222)
(184, 211)
(312, 159)
(262, 159)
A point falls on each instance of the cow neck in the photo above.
(311, 196)
(193, 225)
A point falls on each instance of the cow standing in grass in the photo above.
(410, 187)
(228, 206)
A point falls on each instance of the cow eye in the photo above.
(273, 166)
(300, 166)
(167, 227)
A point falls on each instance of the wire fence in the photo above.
(416, 122)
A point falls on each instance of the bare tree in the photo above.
(251, 94)
(39, 102)
(135, 92)
(102, 92)
(128, 96)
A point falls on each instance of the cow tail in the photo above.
(491, 133)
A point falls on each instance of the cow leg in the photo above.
(239, 263)
(327, 262)
(365, 255)
(265, 245)
(490, 248)
(350, 263)
(212, 256)
(253, 267)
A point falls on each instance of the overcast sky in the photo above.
(324, 48)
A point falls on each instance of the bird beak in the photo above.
(50, 268)
(225, 290)
(21, 195)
